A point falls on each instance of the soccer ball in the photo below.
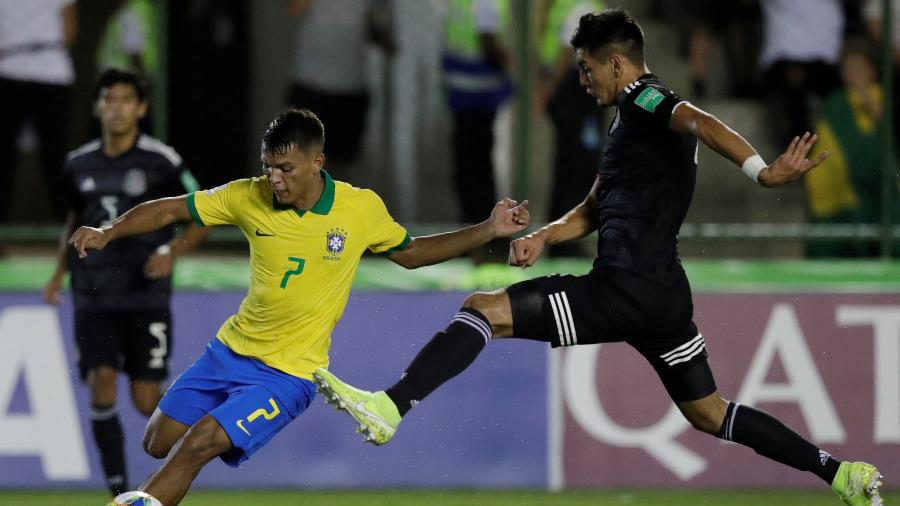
(134, 498)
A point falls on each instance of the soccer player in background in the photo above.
(121, 295)
(637, 291)
(307, 233)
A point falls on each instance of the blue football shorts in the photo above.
(249, 399)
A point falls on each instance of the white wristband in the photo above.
(753, 166)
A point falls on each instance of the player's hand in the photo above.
(792, 163)
(52, 289)
(86, 238)
(509, 217)
(159, 265)
(524, 251)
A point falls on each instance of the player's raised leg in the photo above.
(375, 412)
(451, 351)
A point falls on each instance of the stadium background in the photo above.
(815, 342)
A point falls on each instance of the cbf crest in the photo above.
(335, 240)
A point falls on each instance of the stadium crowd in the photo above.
(788, 56)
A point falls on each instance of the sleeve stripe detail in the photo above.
(401, 246)
(150, 144)
(85, 149)
(192, 208)
(188, 181)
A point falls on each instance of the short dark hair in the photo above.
(113, 76)
(610, 30)
(300, 128)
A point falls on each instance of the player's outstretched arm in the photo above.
(578, 222)
(508, 218)
(146, 217)
(788, 167)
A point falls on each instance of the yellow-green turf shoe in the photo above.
(375, 413)
(856, 483)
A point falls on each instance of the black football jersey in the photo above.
(646, 181)
(100, 188)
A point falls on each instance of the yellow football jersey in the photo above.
(302, 265)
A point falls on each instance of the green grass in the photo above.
(456, 498)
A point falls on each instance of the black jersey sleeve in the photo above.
(648, 105)
(181, 181)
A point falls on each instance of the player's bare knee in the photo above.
(157, 452)
(479, 301)
(158, 440)
(205, 440)
(494, 307)
(153, 446)
(145, 406)
(145, 401)
(102, 384)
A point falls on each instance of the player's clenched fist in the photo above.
(510, 217)
(86, 238)
(524, 252)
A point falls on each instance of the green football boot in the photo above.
(375, 413)
(856, 483)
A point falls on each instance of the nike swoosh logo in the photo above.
(241, 426)
(261, 234)
(361, 407)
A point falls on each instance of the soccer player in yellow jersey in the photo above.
(307, 233)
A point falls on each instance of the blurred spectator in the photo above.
(738, 28)
(93, 18)
(801, 47)
(35, 75)
(208, 78)
(337, 88)
(855, 25)
(475, 65)
(130, 42)
(577, 120)
(873, 14)
(846, 188)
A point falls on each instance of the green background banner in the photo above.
(232, 273)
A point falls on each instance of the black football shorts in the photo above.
(137, 342)
(612, 305)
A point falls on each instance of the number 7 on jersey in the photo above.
(300, 263)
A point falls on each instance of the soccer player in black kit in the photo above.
(637, 291)
(121, 294)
